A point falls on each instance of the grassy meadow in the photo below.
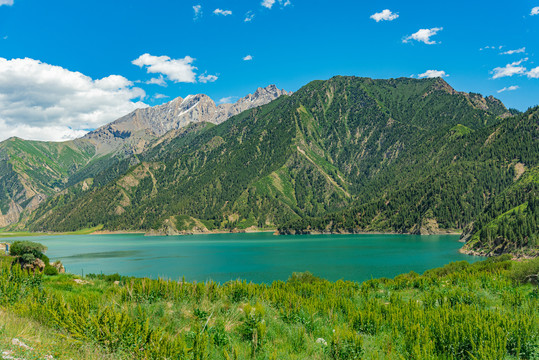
(488, 310)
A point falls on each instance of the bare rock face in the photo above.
(12, 214)
(58, 265)
(134, 131)
(37, 265)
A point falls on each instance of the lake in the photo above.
(257, 257)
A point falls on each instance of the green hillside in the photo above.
(33, 170)
(450, 185)
(333, 144)
(510, 223)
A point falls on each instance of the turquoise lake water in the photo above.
(257, 257)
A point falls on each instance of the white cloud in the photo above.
(535, 10)
(423, 35)
(510, 88)
(511, 52)
(533, 73)
(433, 74)
(6, 2)
(160, 96)
(247, 58)
(249, 16)
(177, 70)
(384, 15)
(198, 12)
(45, 102)
(222, 12)
(157, 81)
(509, 70)
(207, 78)
(228, 100)
(268, 3)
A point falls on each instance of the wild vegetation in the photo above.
(488, 310)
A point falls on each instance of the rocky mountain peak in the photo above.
(135, 130)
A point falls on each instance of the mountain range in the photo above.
(347, 154)
(31, 171)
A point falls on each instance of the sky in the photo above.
(67, 67)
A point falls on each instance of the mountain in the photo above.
(451, 186)
(31, 171)
(510, 222)
(401, 155)
(135, 131)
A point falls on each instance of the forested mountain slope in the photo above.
(510, 223)
(31, 171)
(333, 144)
(447, 185)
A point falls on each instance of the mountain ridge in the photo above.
(31, 171)
(329, 145)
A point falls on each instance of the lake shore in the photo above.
(99, 231)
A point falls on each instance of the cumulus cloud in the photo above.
(268, 3)
(204, 78)
(384, 15)
(533, 73)
(247, 58)
(6, 2)
(514, 68)
(509, 88)
(228, 100)
(423, 35)
(46, 102)
(535, 10)
(433, 74)
(249, 16)
(198, 12)
(157, 81)
(222, 12)
(511, 52)
(177, 70)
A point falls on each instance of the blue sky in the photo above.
(53, 55)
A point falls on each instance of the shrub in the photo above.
(346, 344)
(19, 248)
(50, 270)
(27, 258)
(526, 271)
(303, 278)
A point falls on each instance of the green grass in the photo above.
(460, 311)
(42, 340)
(10, 234)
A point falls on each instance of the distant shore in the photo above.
(99, 231)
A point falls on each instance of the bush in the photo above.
(526, 271)
(50, 270)
(27, 258)
(45, 259)
(19, 248)
(346, 344)
(303, 278)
